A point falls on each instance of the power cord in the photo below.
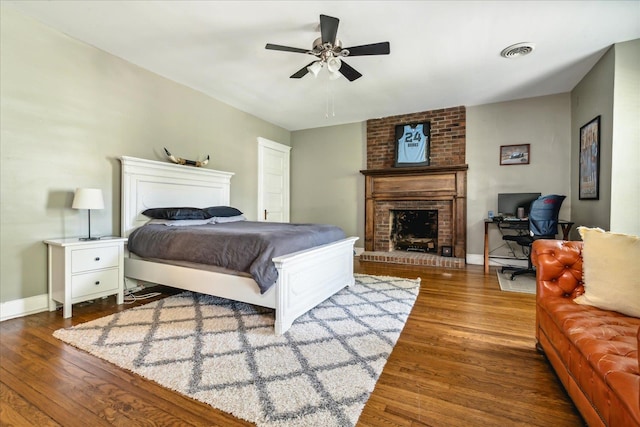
(130, 297)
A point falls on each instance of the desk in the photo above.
(565, 226)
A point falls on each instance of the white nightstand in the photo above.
(85, 270)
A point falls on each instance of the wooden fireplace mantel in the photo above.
(414, 170)
(429, 183)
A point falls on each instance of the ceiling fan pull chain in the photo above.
(333, 104)
(326, 108)
(329, 100)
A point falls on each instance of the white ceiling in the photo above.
(443, 53)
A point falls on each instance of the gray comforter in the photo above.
(242, 246)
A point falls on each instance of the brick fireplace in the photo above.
(439, 187)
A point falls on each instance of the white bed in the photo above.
(305, 278)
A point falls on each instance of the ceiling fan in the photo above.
(328, 50)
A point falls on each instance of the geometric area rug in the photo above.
(524, 283)
(226, 354)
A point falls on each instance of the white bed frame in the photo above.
(305, 278)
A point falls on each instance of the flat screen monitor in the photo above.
(508, 203)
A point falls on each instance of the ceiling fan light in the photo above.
(315, 68)
(334, 75)
(334, 64)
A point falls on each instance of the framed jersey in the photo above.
(412, 144)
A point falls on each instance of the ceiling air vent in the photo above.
(517, 50)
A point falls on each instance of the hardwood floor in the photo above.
(466, 357)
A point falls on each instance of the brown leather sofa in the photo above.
(594, 352)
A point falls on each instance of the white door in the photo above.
(273, 181)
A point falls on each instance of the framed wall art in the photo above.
(413, 144)
(588, 180)
(515, 154)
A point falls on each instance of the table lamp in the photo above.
(88, 198)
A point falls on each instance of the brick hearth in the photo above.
(413, 258)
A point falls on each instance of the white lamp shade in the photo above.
(334, 64)
(315, 68)
(88, 198)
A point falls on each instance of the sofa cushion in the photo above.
(611, 271)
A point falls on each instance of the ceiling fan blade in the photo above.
(370, 49)
(285, 48)
(329, 29)
(301, 72)
(349, 72)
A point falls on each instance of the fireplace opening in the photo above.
(414, 230)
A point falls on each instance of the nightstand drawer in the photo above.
(94, 258)
(94, 283)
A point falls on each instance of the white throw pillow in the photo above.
(610, 271)
(179, 222)
(225, 219)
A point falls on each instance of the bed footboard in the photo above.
(307, 278)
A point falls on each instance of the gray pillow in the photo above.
(222, 211)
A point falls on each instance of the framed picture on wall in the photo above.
(588, 180)
(515, 154)
(413, 144)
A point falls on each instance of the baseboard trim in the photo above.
(24, 307)
(477, 259)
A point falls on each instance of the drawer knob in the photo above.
(97, 258)
(97, 282)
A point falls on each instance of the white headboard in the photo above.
(152, 184)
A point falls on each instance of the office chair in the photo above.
(543, 224)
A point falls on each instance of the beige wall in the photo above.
(625, 155)
(611, 90)
(68, 112)
(593, 97)
(326, 184)
(545, 123)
